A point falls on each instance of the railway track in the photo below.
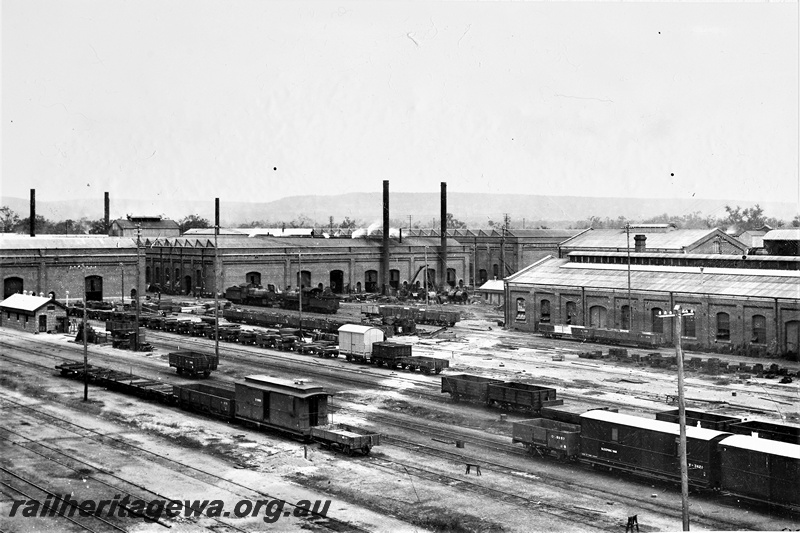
(528, 468)
(190, 471)
(492, 445)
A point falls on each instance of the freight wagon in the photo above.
(761, 469)
(295, 407)
(467, 386)
(700, 419)
(355, 341)
(641, 339)
(543, 436)
(524, 396)
(767, 430)
(649, 447)
(193, 363)
(313, 300)
(347, 439)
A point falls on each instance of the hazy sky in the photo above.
(257, 100)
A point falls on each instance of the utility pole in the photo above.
(628, 248)
(216, 280)
(138, 286)
(300, 291)
(83, 269)
(678, 315)
(426, 276)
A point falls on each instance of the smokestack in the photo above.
(33, 213)
(107, 205)
(443, 246)
(385, 250)
(639, 243)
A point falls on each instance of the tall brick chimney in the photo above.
(385, 248)
(107, 211)
(443, 242)
(33, 213)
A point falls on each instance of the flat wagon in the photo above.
(345, 438)
(512, 395)
(468, 386)
(544, 436)
(193, 363)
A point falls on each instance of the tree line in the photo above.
(743, 219)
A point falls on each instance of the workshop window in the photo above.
(571, 312)
(520, 310)
(544, 308)
(723, 327)
(689, 328)
(759, 330)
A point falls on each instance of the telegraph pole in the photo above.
(628, 248)
(216, 280)
(83, 269)
(300, 291)
(678, 315)
(138, 285)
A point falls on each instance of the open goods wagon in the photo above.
(767, 430)
(468, 386)
(210, 399)
(571, 414)
(544, 436)
(700, 419)
(425, 364)
(389, 353)
(512, 395)
(193, 363)
(345, 438)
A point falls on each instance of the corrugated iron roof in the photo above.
(617, 238)
(660, 426)
(772, 447)
(147, 224)
(59, 242)
(734, 282)
(493, 285)
(27, 302)
(790, 234)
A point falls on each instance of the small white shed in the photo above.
(355, 341)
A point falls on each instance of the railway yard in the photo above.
(441, 465)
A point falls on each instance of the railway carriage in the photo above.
(649, 447)
(760, 469)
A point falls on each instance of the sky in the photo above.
(258, 100)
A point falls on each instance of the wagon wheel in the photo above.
(348, 357)
(426, 370)
(180, 371)
(349, 451)
(207, 373)
(438, 371)
(366, 449)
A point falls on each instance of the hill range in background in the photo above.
(475, 209)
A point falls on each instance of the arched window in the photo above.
(12, 285)
(572, 311)
(483, 277)
(597, 316)
(625, 317)
(451, 277)
(688, 328)
(371, 281)
(394, 278)
(544, 310)
(304, 279)
(496, 270)
(253, 278)
(723, 327)
(337, 281)
(147, 274)
(520, 310)
(759, 330)
(94, 288)
(656, 323)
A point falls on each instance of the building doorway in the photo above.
(11, 286)
(337, 281)
(94, 288)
